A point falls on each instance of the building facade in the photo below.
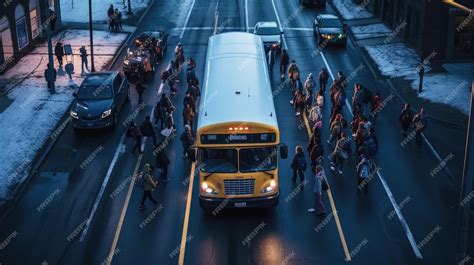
(22, 24)
(431, 25)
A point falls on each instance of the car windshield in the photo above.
(91, 92)
(218, 160)
(257, 159)
(331, 23)
(268, 31)
(139, 53)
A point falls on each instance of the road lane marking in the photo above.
(385, 185)
(187, 20)
(285, 46)
(186, 215)
(102, 188)
(333, 204)
(124, 211)
(331, 199)
(246, 16)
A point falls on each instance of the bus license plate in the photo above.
(240, 204)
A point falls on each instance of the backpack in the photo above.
(302, 165)
(364, 172)
(367, 97)
(371, 146)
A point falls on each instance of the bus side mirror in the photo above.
(192, 154)
(284, 151)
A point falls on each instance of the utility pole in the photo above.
(466, 188)
(50, 73)
(129, 12)
(91, 36)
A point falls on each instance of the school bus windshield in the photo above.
(257, 159)
(218, 160)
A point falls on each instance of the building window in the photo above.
(34, 18)
(6, 38)
(21, 30)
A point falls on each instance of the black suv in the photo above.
(98, 100)
(328, 29)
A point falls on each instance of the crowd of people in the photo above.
(163, 122)
(342, 134)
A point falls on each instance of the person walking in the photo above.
(323, 77)
(299, 102)
(335, 129)
(162, 161)
(405, 118)
(187, 140)
(284, 61)
(147, 129)
(134, 133)
(166, 103)
(83, 53)
(357, 99)
(298, 164)
(271, 58)
(341, 152)
(118, 20)
(149, 185)
(377, 105)
(110, 14)
(316, 153)
(319, 179)
(50, 79)
(159, 114)
(59, 52)
(419, 125)
(188, 115)
(363, 172)
(341, 79)
(140, 89)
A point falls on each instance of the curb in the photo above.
(38, 160)
(400, 98)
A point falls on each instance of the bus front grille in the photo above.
(239, 186)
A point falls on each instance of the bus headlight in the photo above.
(206, 189)
(270, 188)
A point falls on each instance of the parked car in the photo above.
(98, 100)
(139, 64)
(270, 34)
(156, 41)
(318, 3)
(328, 29)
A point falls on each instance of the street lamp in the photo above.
(50, 72)
(91, 36)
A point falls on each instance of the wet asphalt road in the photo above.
(286, 234)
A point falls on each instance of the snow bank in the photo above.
(371, 31)
(395, 60)
(445, 88)
(78, 10)
(350, 10)
(30, 119)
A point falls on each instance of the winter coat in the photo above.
(336, 127)
(188, 100)
(187, 139)
(59, 50)
(316, 152)
(318, 182)
(162, 159)
(148, 181)
(294, 162)
(147, 129)
(169, 121)
(188, 114)
(405, 117)
(83, 52)
(323, 76)
(320, 100)
(309, 84)
(363, 169)
(419, 122)
(110, 12)
(134, 132)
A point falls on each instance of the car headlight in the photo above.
(106, 113)
(206, 189)
(126, 62)
(270, 188)
(341, 35)
(74, 114)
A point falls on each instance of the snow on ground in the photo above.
(395, 60)
(371, 31)
(350, 10)
(30, 119)
(78, 10)
(445, 88)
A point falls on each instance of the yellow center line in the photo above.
(182, 248)
(333, 205)
(124, 211)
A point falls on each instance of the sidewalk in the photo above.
(446, 87)
(29, 114)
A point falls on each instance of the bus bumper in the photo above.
(218, 204)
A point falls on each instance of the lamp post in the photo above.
(91, 36)
(50, 73)
(129, 12)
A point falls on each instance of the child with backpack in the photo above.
(299, 164)
(363, 172)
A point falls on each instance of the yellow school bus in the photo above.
(237, 137)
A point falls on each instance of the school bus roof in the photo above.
(236, 86)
